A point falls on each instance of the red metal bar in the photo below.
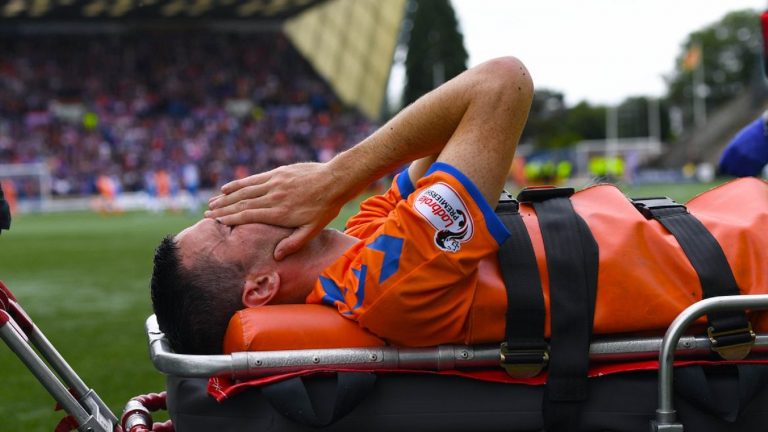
(8, 302)
(764, 22)
(137, 418)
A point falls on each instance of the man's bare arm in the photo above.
(472, 122)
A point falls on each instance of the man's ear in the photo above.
(259, 289)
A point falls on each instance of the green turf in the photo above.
(83, 278)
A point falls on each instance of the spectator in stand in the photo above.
(5, 211)
(191, 178)
(83, 104)
(108, 189)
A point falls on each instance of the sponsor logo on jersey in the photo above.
(444, 209)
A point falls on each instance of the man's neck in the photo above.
(300, 271)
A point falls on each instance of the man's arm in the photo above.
(472, 122)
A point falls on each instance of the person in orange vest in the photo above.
(5, 207)
(108, 189)
(9, 187)
(165, 186)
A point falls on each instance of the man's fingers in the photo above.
(248, 181)
(247, 194)
(294, 242)
(235, 185)
(244, 205)
(261, 215)
(214, 198)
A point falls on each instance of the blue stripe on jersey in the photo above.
(332, 291)
(360, 275)
(392, 248)
(404, 184)
(494, 224)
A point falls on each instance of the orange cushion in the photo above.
(294, 326)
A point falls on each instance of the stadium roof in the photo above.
(351, 43)
(153, 9)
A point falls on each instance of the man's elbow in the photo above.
(507, 81)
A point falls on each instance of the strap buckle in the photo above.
(646, 206)
(506, 196)
(507, 203)
(543, 193)
(732, 344)
(523, 363)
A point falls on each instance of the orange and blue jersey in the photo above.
(426, 272)
(412, 278)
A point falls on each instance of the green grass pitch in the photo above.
(83, 278)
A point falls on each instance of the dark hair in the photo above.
(194, 304)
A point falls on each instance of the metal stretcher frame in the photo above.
(446, 357)
(50, 368)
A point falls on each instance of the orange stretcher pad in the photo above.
(293, 327)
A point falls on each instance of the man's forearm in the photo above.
(425, 127)
(421, 129)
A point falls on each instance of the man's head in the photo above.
(205, 274)
(193, 306)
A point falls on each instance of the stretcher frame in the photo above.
(90, 413)
(446, 357)
(49, 367)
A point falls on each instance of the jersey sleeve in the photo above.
(413, 280)
(374, 210)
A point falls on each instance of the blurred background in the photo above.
(119, 118)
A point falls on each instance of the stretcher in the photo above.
(390, 388)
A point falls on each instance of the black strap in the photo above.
(707, 258)
(526, 350)
(572, 263)
(5, 212)
(291, 399)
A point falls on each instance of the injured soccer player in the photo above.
(469, 127)
(419, 265)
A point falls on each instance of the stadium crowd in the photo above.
(200, 106)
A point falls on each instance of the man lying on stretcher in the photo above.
(417, 266)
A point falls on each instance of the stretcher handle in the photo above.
(36, 337)
(665, 414)
(21, 334)
(10, 334)
(191, 366)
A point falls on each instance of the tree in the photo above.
(726, 54)
(436, 50)
(551, 124)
